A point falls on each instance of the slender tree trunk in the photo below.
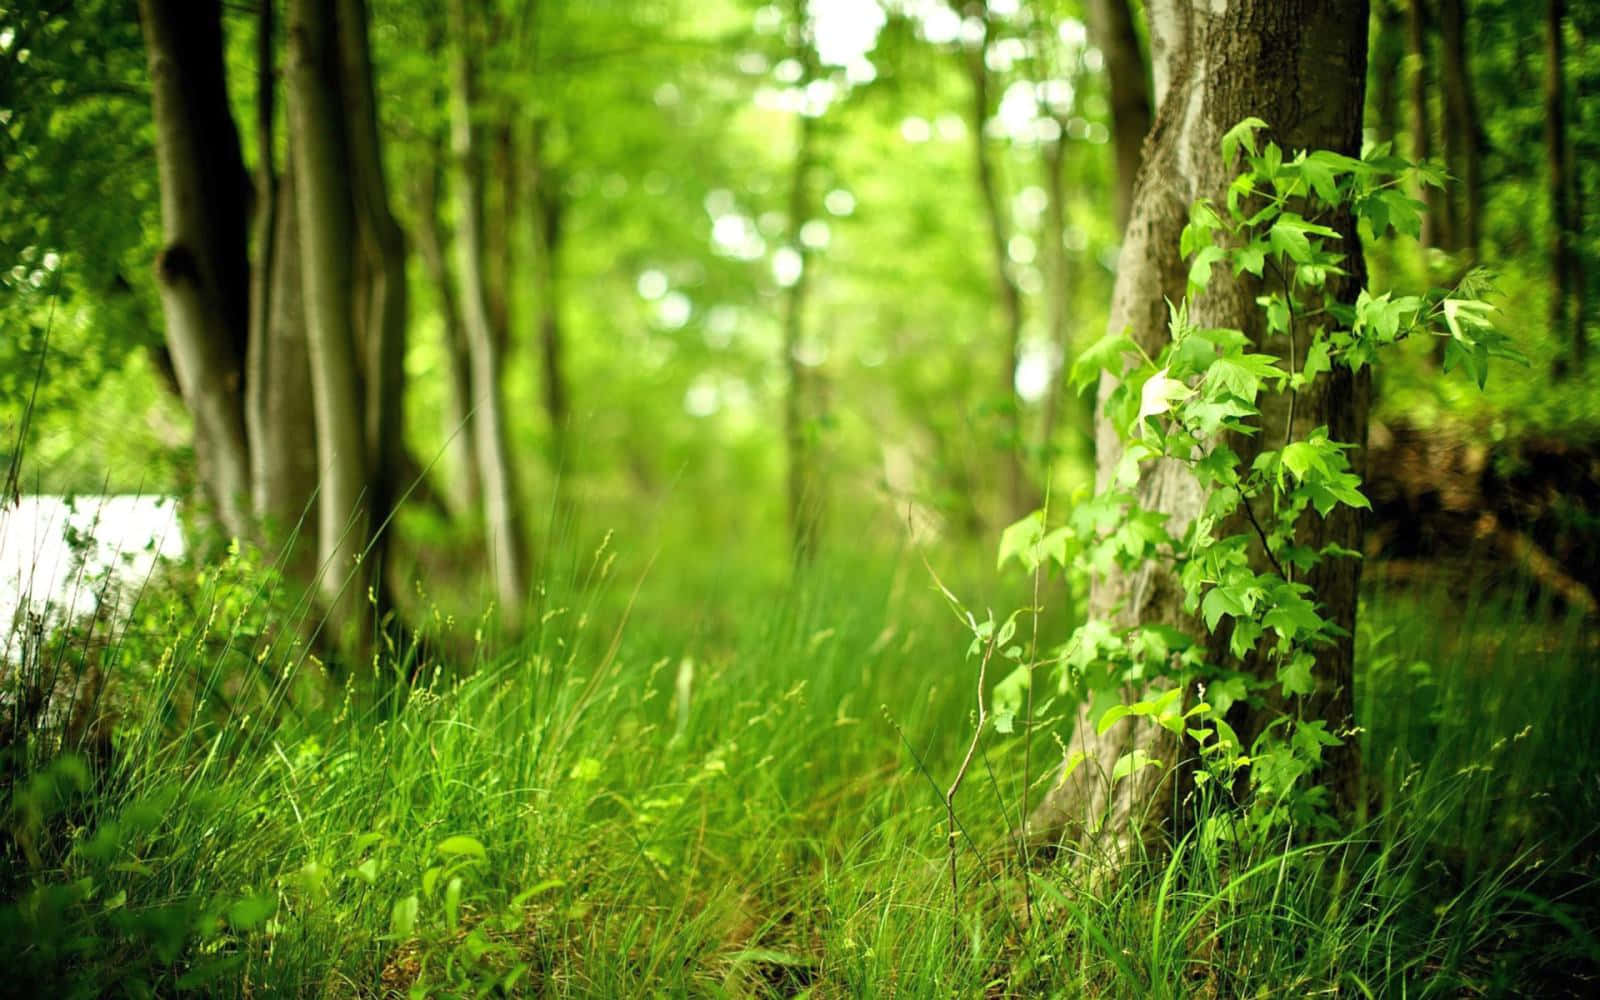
(1056, 279)
(804, 495)
(1435, 224)
(500, 191)
(550, 210)
(1388, 57)
(1462, 134)
(1300, 65)
(203, 271)
(501, 510)
(1562, 225)
(328, 248)
(1017, 499)
(430, 245)
(1112, 28)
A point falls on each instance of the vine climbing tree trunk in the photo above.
(1299, 65)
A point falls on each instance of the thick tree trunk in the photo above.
(1563, 260)
(328, 248)
(203, 272)
(502, 520)
(1112, 28)
(1300, 65)
(1463, 134)
(283, 431)
(999, 228)
(380, 291)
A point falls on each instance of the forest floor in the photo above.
(716, 786)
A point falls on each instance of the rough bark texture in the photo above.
(1300, 65)
(203, 271)
(327, 237)
(502, 521)
(995, 214)
(1112, 28)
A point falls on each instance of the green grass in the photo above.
(733, 793)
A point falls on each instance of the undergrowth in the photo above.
(648, 797)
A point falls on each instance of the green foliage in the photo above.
(1198, 397)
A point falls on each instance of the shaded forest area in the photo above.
(593, 426)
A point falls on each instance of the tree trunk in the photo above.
(203, 271)
(1563, 264)
(1300, 65)
(380, 291)
(803, 494)
(1112, 28)
(1463, 134)
(1057, 295)
(1435, 225)
(502, 520)
(1388, 59)
(283, 432)
(1005, 284)
(322, 166)
(430, 245)
(550, 207)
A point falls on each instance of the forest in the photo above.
(799, 498)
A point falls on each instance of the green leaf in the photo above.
(1295, 676)
(1221, 601)
(1200, 270)
(1105, 354)
(403, 917)
(1131, 762)
(1242, 134)
(461, 844)
(1018, 541)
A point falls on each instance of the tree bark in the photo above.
(1563, 259)
(1056, 274)
(431, 247)
(1463, 133)
(203, 271)
(1388, 58)
(1112, 28)
(804, 497)
(550, 209)
(501, 510)
(1300, 65)
(1005, 283)
(1435, 223)
(283, 432)
(322, 166)
(380, 263)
